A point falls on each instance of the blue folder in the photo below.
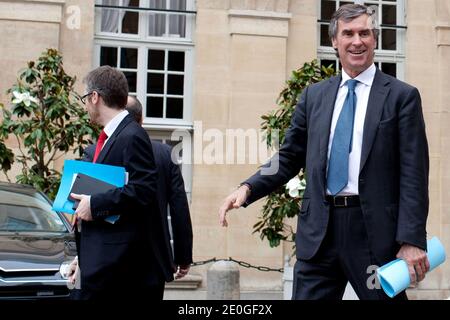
(394, 276)
(111, 174)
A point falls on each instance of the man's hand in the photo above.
(417, 262)
(73, 271)
(233, 201)
(182, 270)
(84, 207)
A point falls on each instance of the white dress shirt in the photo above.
(112, 125)
(362, 91)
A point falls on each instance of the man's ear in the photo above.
(334, 42)
(95, 97)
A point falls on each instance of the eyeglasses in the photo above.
(83, 98)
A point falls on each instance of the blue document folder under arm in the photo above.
(110, 174)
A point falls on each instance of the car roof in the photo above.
(19, 188)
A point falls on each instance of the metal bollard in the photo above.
(223, 281)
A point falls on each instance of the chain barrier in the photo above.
(241, 263)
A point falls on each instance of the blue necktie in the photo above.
(342, 142)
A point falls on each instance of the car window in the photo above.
(27, 212)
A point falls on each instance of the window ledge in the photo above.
(166, 127)
(259, 14)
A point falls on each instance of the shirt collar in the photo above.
(112, 125)
(365, 77)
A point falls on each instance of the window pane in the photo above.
(174, 108)
(178, 4)
(175, 84)
(128, 58)
(130, 23)
(108, 56)
(132, 79)
(156, 59)
(110, 17)
(157, 4)
(133, 3)
(156, 24)
(177, 25)
(27, 212)
(155, 107)
(389, 15)
(324, 39)
(389, 39)
(327, 9)
(389, 68)
(155, 83)
(176, 61)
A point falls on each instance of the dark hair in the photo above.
(110, 83)
(348, 12)
(135, 109)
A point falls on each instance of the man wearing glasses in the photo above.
(127, 259)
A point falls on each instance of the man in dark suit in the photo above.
(171, 195)
(361, 138)
(127, 259)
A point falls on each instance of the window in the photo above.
(151, 41)
(389, 54)
(149, 18)
(28, 212)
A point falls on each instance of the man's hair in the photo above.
(110, 83)
(134, 107)
(347, 13)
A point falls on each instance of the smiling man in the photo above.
(360, 136)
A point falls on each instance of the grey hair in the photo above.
(349, 12)
(134, 107)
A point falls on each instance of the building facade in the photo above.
(206, 71)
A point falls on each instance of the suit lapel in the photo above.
(377, 97)
(113, 138)
(326, 110)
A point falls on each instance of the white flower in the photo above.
(24, 97)
(295, 185)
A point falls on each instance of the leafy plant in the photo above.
(279, 204)
(46, 121)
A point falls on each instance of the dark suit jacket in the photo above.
(170, 192)
(393, 178)
(132, 252)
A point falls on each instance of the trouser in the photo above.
(147, 293)
(343, 256)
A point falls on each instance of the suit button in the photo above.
(361, 181)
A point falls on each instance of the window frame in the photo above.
(143, 23)
(158, 128)
(186, 163)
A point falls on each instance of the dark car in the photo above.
(35, 244)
